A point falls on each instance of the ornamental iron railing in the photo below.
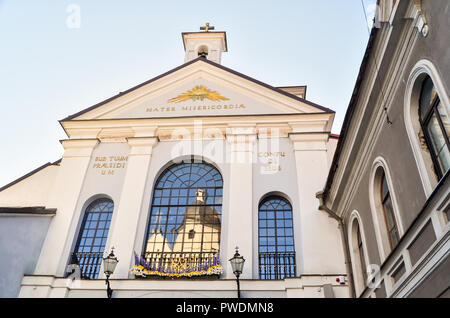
(173, 262)
(277, 265)
(89, 264)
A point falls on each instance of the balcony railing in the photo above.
(173, 262)
(89, 264)
(279, 265)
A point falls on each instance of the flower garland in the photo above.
(139, 270)
(144, 269)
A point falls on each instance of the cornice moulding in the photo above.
(79, 143)
(124, 128)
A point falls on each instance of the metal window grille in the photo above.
(276, 239)
(182, 219)
(88, 253)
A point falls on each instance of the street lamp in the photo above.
(237, 264)
(109, 265)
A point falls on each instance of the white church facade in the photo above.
(177, 172)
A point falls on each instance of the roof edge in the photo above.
(29, 174)
(350, 111)
(35, 210)
(325, 109)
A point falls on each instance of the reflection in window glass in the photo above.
(186, 212)
(435, 126)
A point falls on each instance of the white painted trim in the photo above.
(411, 117)
(427, 263)
(386, 11)
(431, 259)
(359, 286)
(378, 215)
(199, 69)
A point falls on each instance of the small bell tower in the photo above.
(206, 44)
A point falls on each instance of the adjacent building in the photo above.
(389, 184)
(177, 172)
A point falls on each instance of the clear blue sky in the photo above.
(49, 71)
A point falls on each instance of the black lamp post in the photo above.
(237, 264)
(109, 265)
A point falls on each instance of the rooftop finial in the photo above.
(206, 28)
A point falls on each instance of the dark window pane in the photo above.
(427, 96)
(389, 216)
(384, 188)
(435, 126)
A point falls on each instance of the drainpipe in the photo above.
(344, 239)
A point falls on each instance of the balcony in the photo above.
(279, 265)
(178, 265)
(89, 264)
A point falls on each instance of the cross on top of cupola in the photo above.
(206, 28)
(209, 45)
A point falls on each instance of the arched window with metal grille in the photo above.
(434, 119)
(276, 239)
(185, 218)
(90, 245)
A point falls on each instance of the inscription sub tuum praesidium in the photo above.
(271, 160)
(108, 165)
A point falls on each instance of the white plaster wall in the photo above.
(163, 155)
(214, 49)
(282, 182)
(306, 287)
(321, 241)
(322, 230)
(331, 149)
(32, 191)
(95, 185)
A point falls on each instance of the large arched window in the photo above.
(203, 51)
(276, 239)
(385, 209)
(435, 126)
(92, 237)
(185, 217)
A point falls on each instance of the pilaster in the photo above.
(64, 197)
(241, 144)
(321, 248)
(123, 231)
